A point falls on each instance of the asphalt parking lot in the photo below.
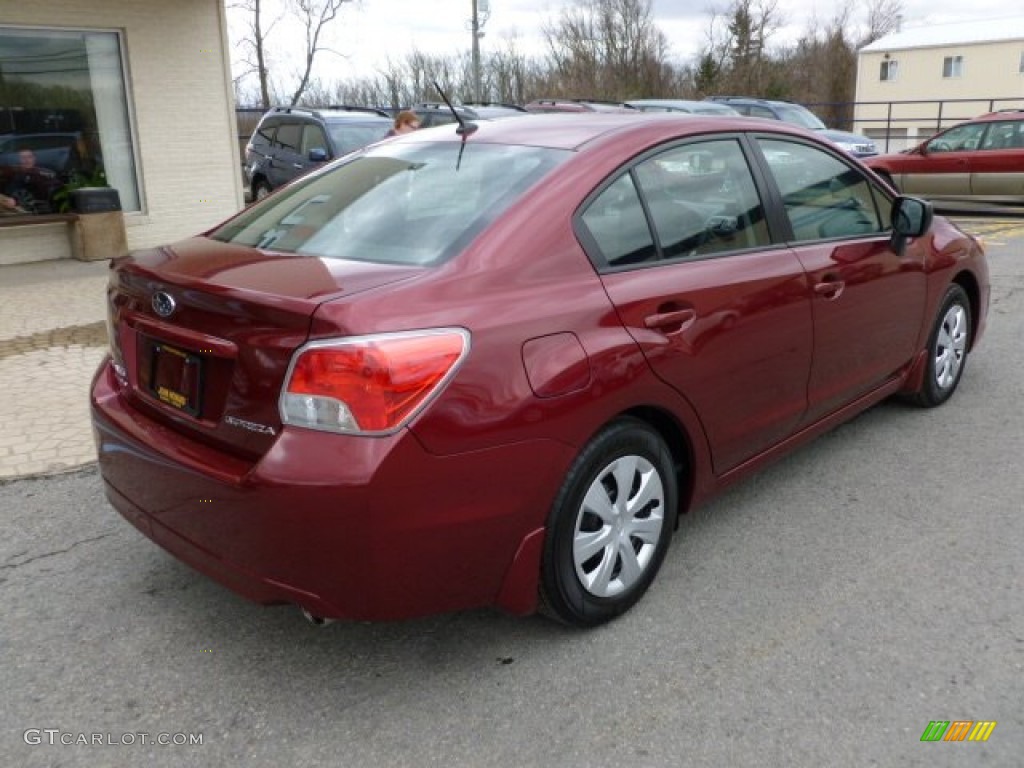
(821, 614)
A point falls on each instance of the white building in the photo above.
(913, 82)
(143, 89)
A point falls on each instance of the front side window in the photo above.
(890, 70)
(396, 204)
(953, 66)
(823, 197)
(63, 118)
(960, 138)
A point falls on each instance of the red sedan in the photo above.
(490, 366)
(981, 160)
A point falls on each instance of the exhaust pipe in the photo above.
(316, 621)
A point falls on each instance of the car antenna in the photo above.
(464, 128)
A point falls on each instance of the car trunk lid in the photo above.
(203, 332)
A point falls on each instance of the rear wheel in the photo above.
(947, 348)
(610, 525)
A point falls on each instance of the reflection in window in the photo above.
(702, 200)
(890, 70)
(397, 204)
(616, 221)
(63, 101)
(823, 196)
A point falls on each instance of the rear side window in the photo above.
(823, 196)
(412, 204)
(289, 135)
(616, 222)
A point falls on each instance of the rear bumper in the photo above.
(346, 527)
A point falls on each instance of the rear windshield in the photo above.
(799, 116)
(396, 204)
(350, 136)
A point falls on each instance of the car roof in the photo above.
(574, 130)
(1002, 114)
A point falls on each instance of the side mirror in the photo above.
(318, 155)
(911, 217)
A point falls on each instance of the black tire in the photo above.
(260, 189)
(948, 345)
(609, 580)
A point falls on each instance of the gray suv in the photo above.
(289, 141)
(797, 114)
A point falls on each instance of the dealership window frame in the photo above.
(105, 122)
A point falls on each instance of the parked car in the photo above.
(575, 105)
(492, 109)
(682, 105)
(797, 114)
(492, 368)
(290, 141)
(980, 160)
(438, 113)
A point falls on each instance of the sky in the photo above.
(369, 32)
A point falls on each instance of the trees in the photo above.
(260, 18)
(610, 48)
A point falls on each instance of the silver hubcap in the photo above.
(950, 346)
(618, 526)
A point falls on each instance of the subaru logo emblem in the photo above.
(163, 304)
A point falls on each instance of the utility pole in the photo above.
(475, 25)
(481, 12)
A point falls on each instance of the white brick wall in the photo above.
(179, 92)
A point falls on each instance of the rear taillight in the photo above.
(369, 384)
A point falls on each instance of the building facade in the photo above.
(914, 82)
(133, 95)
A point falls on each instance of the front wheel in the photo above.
(260, 189)
(610, 526)
(947, 348)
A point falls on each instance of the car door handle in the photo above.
(830, 289)
(666, 321)
(299, 166)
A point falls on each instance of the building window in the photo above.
(1020, 67)
(890, 70)
(953, 66)
(63, 118)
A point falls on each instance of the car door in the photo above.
(867, 300)
(942, 166)
(998, 169)
(721, 314)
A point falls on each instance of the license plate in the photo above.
(176, 378)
